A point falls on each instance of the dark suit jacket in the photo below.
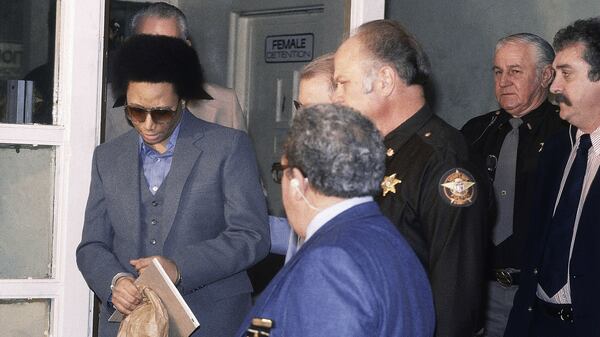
(214, 209)
(356, 276)
(585, 260)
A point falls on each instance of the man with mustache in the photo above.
(522, 75)
(558, 294)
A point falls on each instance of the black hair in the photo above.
(586, 32)
(156, 59)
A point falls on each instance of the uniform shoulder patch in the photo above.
(458, 188)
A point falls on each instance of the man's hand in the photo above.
(169, 266)
(125, 295)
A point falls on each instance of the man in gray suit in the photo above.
(176, 188)
(214, 103)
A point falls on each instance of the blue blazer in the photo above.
(585, 260)
(356, 276)
(214, 212)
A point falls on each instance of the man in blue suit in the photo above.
(355, 275)
(559, 294)
(176, 188)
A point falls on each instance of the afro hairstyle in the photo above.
(156, 59)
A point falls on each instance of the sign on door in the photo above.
(289, 48)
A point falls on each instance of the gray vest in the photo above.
(154, 231)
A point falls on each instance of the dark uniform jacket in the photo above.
(433, 198)
(584, 269)
(484, 135)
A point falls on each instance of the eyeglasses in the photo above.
(159, 116)
(297, 105)
(277, 171)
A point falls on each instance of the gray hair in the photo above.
(321, 66)
(390, 43)
(337, 149)
(544, 51)
(161, 10)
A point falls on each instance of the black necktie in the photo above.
(554, 273)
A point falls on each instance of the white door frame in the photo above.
(362, 11)
(78, 93)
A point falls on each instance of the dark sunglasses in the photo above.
(159, 116)
(277, 171)
(297, 105)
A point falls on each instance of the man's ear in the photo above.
(301, 181)
(547, 76)
(387, 80)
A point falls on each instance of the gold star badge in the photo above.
(389, 184)
(390, 152)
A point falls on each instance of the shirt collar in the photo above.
(331, 212)
(594, 137)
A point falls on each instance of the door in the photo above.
(49, 112)
(266, 84)
(278, 45)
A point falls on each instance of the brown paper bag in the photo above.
(149, 319)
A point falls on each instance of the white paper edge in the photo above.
(187, 309)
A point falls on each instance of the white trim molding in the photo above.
(362, 11)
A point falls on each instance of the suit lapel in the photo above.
(128, 180)
(187, 152)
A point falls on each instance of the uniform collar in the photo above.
(404, 131)
(531, 120)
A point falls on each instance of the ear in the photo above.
(301, 182)
(296, 185)
(547, 76)
(387, 80)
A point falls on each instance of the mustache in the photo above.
(560, 98)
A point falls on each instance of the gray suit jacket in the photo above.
(215, 213)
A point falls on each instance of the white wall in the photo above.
(459, 37)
